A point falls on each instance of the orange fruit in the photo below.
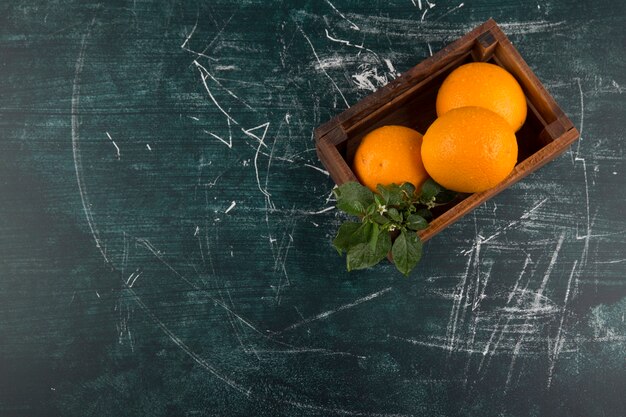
(470, 149)
(484, 85)
(390, 154)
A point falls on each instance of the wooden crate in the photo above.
(409, 100)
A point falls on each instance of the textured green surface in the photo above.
(128, 287)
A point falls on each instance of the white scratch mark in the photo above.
(225, 67)
(546, 276)
(438, 31)
(228, 143)
(322, 68)
(130, 277)
(348, 43)
(440, 344)
(510, 225)
(249, 133)
(220, 303)
(587, 236)
(281, 264)
(230, 93)
(532, 210)
(78, 165)
(558, 343)
(184, 44)
(516, 352)
(329, 313)
(202, 54)
(513, 291)
(331, 196)
(308, 350)
(423, 343)
(458, 298)
(193, 118)
(197, 359)
(392, 69)
(117, 148)
(340, 411)
(323, 171)
(482, 295)
(232, 206)
(261, 140)
(616, 261)
(430, 49)
(270, 157)
(204, 73)
(341, 14)
(320, 211)
(369, 79)
(130, 285)
(217, 35)
(487, 346)
(582, 116)
(454, 9)
(618, 87)
(148, 146)
(477, 264)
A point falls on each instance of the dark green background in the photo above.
(517, 310)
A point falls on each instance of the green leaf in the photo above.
(416, 222)
(353, 198)
(425, 213)
(351, 234)
(445, 196)
(344, 236)
(409, 190)
(373, 237)
(368, 254)
(395, 215)
(383, 246)
(406, 251)
(379, 218)
(392, 194)
(429, 190)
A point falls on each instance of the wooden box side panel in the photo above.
(332, 159)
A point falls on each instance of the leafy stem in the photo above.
(394, 209)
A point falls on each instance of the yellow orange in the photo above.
(484, 85)
(469, 149)
(390, 154)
